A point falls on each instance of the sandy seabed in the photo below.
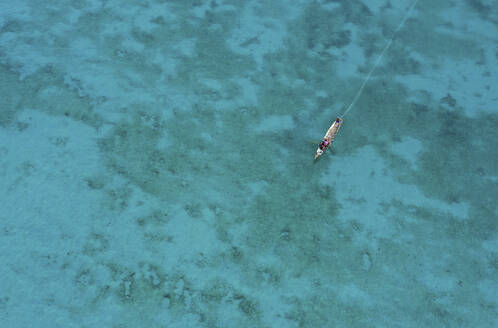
(156, 164)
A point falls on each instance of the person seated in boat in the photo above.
(324, 144)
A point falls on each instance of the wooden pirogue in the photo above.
(329, 137)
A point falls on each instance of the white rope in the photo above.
(380, 58)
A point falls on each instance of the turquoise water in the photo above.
(156, 164)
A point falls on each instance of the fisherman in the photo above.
(324, 144)
(329, 137)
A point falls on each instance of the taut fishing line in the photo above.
(358, 94)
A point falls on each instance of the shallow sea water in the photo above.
(156, 164)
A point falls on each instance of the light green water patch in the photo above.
(485, 9)
(11, 101)
(434, 244)
(322, 29)
(306, 55)
(195, 141)
(460, 157)
(425, 34)
(152, 294)
(146, 294)
(219, 296)
(324, 309)
(211, 60)
(46, 91)
(130, 150)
